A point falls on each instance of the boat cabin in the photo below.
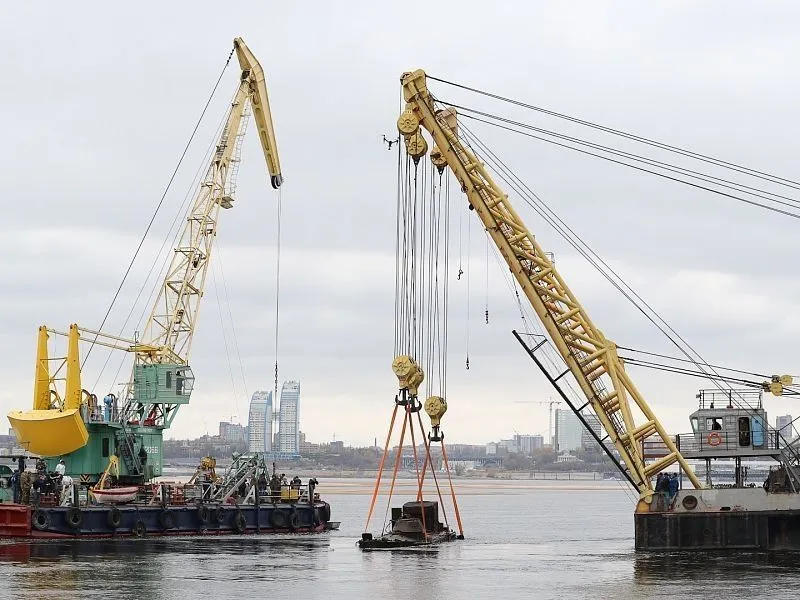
(729, 424)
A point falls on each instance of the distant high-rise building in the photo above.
(526, 444)
(232, 432)
(784, 425)
(569, 431)
(259, 423)
(289, 418)
(587, 441)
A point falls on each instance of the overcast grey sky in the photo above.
(98, 100)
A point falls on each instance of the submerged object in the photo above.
(415, 524)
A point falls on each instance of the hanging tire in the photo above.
(40, 520)
(294, 521)
(203, 514)
(166, 519)
(219, 516)
(114, 518)
(139, 528)
(240, 522)
(74, 517)
(278, 519)
(325, 512)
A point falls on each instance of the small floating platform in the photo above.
(415, 524)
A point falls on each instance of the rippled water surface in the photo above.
(525, 539)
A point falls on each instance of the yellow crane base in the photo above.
(49, 432)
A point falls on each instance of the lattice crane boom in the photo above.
(590, 356)
(167, 335)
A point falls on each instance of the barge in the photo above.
(729, 427)
(241, 502)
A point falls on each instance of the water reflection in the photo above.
(717, 567)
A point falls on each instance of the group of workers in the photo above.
(28, 486)
(667, 485)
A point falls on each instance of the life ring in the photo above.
(139, 528)
(41, 520)
(239, 522)
(74, 517)
(167, 519)
(114, 518)
(203, 514)
(714, 439)
(278, 518)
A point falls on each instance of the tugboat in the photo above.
(100, 461)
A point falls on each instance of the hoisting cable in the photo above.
(706, 177)
(233, 326)
(277, 288)
(469, 245)
(222, 328)
(164, 265)
(486, 305)
(678, 150)
(584, 249)
(157, 209)
(644, 170)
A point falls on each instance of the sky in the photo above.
(98, 101)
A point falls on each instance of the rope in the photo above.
(429, 460)
(396, 467)
(380, 468)
(416, 466)
(452, 491)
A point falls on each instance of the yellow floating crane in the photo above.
(162, 379)
(590, 356)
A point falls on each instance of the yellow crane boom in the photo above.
(167, 335)
(590, 356)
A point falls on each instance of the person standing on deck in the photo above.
(108, 402)
(61, 468)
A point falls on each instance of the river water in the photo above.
(524, 539)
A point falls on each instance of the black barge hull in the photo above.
(719, 530)
(22, 521)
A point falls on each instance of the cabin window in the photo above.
(168, 382)
(178, 383)
(105, 448)
(695, 424)
(713, 424)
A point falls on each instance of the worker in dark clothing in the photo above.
(15, 486)
(716, 425)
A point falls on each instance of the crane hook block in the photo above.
(416, 146)
(435, 406)
(407, 122)
(408, 372)
(438, 159)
